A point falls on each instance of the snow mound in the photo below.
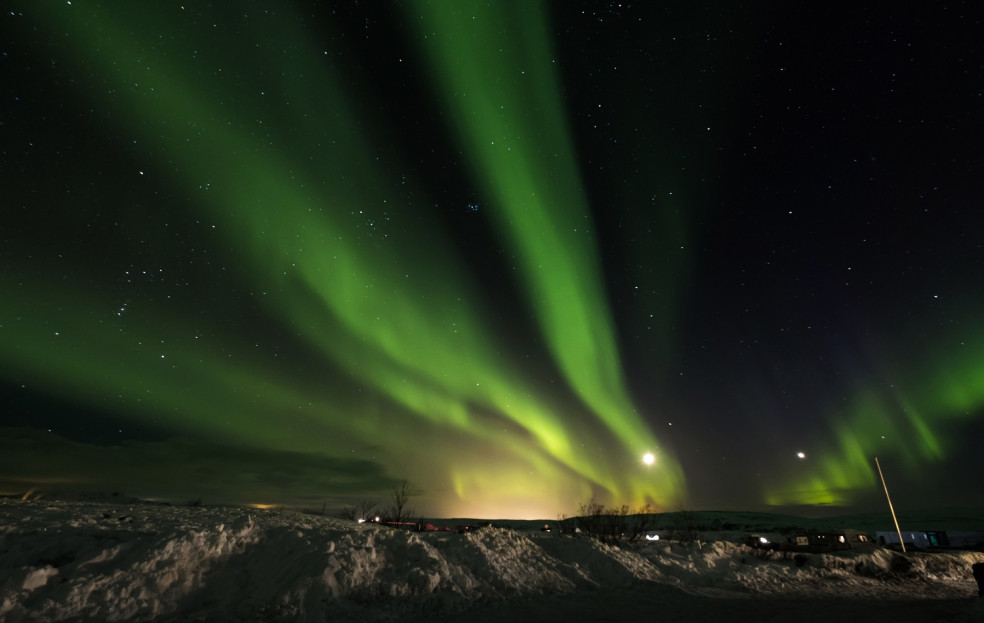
(870, 572)
(140, 562)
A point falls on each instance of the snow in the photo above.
(131, 561)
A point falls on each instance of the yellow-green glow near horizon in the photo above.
(290, 184)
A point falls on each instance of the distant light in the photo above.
(763, 540)
(648, 458)
(652, 537)
(801, 455)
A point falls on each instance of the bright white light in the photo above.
(801, 455)
(763, 540)
(652, 537)
(648, 458)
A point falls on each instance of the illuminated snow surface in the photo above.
(108, 561)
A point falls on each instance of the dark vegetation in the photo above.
(398, 513)
(610, 524)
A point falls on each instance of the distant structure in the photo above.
(934, 539)
(828, 541)
(812, 541)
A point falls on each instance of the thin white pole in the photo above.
(882, 476)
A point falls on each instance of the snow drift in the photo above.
(142, 562)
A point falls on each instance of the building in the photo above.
(934, 539)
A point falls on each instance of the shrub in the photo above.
(363, 510)
(400, 510)
(685, 527)
(614, 524)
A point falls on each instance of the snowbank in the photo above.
(141, 562)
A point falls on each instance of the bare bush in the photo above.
(566, 524)
(685, 528)
(363, 510)
(400, 510)
(614, 524)
(641, 522)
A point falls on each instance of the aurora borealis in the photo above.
(299, 252)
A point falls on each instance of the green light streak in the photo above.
(291, 185)
(495, 71)
(87, 356)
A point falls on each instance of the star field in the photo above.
(299, 252)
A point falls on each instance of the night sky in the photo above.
(294, 253)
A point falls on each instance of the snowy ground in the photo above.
(109, 561)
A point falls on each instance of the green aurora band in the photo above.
(288, 168)
(509, 117)
(912, 429)
(374, 348)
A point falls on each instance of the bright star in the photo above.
(648, 458)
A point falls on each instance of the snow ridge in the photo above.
(140, 562)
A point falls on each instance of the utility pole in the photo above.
(887, 497)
